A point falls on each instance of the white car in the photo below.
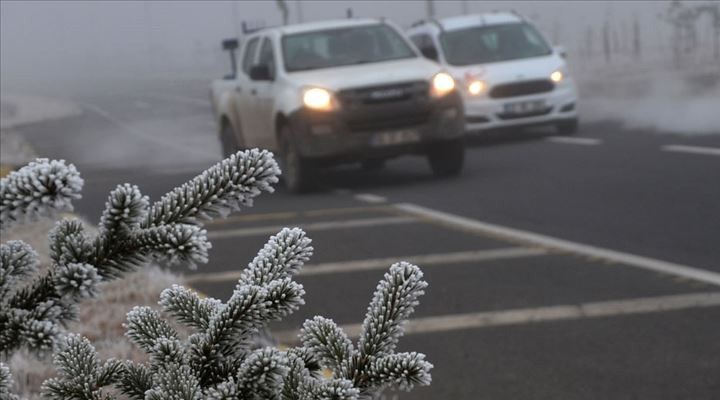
(508, 73)
(339, 91)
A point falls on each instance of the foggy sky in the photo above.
(70, 40)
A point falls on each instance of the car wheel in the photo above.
(374, 164)
(230, 141)
(447, 157)
(296, 171)
(568, 127)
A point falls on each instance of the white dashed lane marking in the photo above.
(574, 140)
(313, 227)
(708, 151)
(548, 242)
(370, 198)
(522, 316)
(384, 263)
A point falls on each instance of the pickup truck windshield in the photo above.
(486, 44)
(345, 46)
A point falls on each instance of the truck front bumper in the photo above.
(353, 135)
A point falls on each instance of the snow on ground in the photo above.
(17, 110)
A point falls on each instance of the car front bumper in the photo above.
(351, 135)
(485, 113)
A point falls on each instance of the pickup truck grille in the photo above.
(522, 88)
(357, 97)
(385, 107)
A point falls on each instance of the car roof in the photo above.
(323, 25)
(467, 21)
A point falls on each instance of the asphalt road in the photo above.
(559, 268)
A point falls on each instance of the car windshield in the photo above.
(346, 46)
(486, 44)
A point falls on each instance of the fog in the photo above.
(47, 41)
(66, 47)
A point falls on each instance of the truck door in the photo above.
(265, 97)
(245, 101)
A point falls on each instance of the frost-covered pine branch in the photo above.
(373, 365)
(131, 232)
(6, 383)
(38, 189)
(218, 361)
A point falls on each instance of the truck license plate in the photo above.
(395, 137)
(524, 107)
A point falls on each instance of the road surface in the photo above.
(580, 267)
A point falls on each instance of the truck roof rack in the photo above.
(252, 27)
(517, 14)
(428, 21)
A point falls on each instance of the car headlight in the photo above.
(442, 84)
(319, 99)
(557, 76)
(476, 87)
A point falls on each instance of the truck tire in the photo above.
(568, 127)
(296, 170)
(229, 140)
(447, 157)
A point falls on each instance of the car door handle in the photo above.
(253, 92)
(238, 89)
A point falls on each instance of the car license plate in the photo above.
(524, 107)
(395, 137)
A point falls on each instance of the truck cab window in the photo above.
(267, 57)
(249, 55)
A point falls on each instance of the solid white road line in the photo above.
(384, 263)
(370, 198)
(144, 135)
(315, 226)
(574, 140)
(522, 316)
(677, 148)
(549, 242)
(180, 99)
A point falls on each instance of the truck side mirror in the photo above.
(430, 52)
(261, 73)
(230, 44)
(560, 50)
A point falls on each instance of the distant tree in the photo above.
(637, 51)
(606, 41)
(430, 8)
(589, 42)
(284, 10)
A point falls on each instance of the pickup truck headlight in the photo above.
(319, 99)
(442, 84)
(557, 76)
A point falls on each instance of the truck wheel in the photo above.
(567, 127)
(447, 157)
(296, 171)
(229, 140)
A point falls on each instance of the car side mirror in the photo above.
(560, 50)
(430, 52)
(261, 73)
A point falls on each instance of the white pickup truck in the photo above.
(332, 92)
